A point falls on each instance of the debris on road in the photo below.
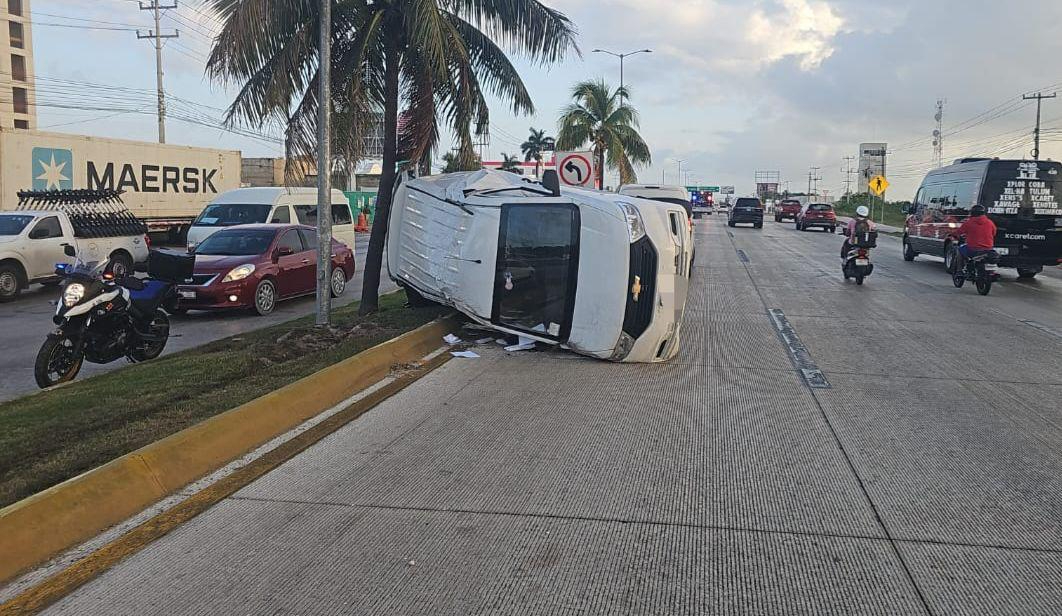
(467, 354)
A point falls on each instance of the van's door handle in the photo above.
(305, 261)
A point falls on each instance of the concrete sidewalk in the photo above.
(546, 483)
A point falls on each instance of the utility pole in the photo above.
(324, 169)
(938, 134)
(848, 172)
(158, 36)
(1039, 97)
(813, 176)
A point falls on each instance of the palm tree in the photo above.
(537, 143)
(511, 164)
(599, 117)
(429, 59)
(455, 161)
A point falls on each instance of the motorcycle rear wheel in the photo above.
(160, 326)
(859, 280)
(56, 362)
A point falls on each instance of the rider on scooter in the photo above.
(980, 234)
(861, 221)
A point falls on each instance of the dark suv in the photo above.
(746, 210)
(788, 208)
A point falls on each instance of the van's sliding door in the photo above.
(538, 261)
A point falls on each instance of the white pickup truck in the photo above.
(32, 243)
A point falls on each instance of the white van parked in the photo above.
(598, 273)
(675, 195)
(279, 205)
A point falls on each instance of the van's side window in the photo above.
(307, 214)
(47, 228)
(281, 215)
(963, 197)
(341, 214)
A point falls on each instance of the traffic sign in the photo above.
(576, 168)
(878, 184)
(727, 190)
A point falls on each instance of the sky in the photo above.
(731, 87)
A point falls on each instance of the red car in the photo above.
(817, 215)
(788, 208)
(255, 266)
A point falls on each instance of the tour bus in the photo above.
(1021, 196)
(601, 274)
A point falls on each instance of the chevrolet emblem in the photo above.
(636, 288)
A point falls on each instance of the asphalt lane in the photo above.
(925, 479)
(26, 321)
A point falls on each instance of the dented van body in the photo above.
(601, 274)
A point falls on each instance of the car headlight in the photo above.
(73, 294)
(239, 273)
(635, 226)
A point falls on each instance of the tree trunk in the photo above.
(370, 287)
(600, 168)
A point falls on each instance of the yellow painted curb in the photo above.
(49, 522)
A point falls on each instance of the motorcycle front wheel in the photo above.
(160, 328)
(958, 280)
(57, 362)
(984, 285)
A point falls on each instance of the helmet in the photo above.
(862, 211)
(977, 210)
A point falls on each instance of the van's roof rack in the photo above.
(972, 159)
(93, 213)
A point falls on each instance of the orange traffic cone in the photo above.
(362, 225)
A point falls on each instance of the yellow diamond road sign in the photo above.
(878, 184)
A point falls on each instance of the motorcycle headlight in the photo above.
(635, 226)
(239, 273)
(73, 294)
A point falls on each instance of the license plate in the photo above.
(991, 267)
(186, 294)
(1002, 251)
(862, 261)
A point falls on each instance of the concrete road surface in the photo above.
(926, 479)
(26, 321)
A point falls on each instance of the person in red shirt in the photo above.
(980, 232)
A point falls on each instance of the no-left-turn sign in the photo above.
(575, 168)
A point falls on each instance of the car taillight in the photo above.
(863, 253)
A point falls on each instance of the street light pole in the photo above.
(324, 170)
(621, 56)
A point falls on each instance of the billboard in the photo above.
(871, 163)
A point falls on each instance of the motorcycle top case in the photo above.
(170, 267)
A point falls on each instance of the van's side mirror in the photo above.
(69, 251)
(907, 208)
(551, 181)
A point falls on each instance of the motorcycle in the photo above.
(980, 268)
(856, 263)
(101, 319)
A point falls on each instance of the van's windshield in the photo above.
(229, 214)
(1023, 187)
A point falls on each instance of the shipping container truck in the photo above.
(166, 186)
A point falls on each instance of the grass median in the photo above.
(52, 436)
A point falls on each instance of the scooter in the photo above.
(856, 263)
(981, 268)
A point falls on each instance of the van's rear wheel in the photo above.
(1028, 273)
(121, 265)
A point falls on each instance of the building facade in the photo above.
(18, 105)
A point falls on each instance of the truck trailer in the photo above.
(164, 185)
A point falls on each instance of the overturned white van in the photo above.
(598, 273)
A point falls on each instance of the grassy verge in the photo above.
(893, 216)
(49, 437)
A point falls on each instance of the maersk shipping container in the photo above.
(165, 185)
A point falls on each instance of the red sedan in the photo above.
(255, 266)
